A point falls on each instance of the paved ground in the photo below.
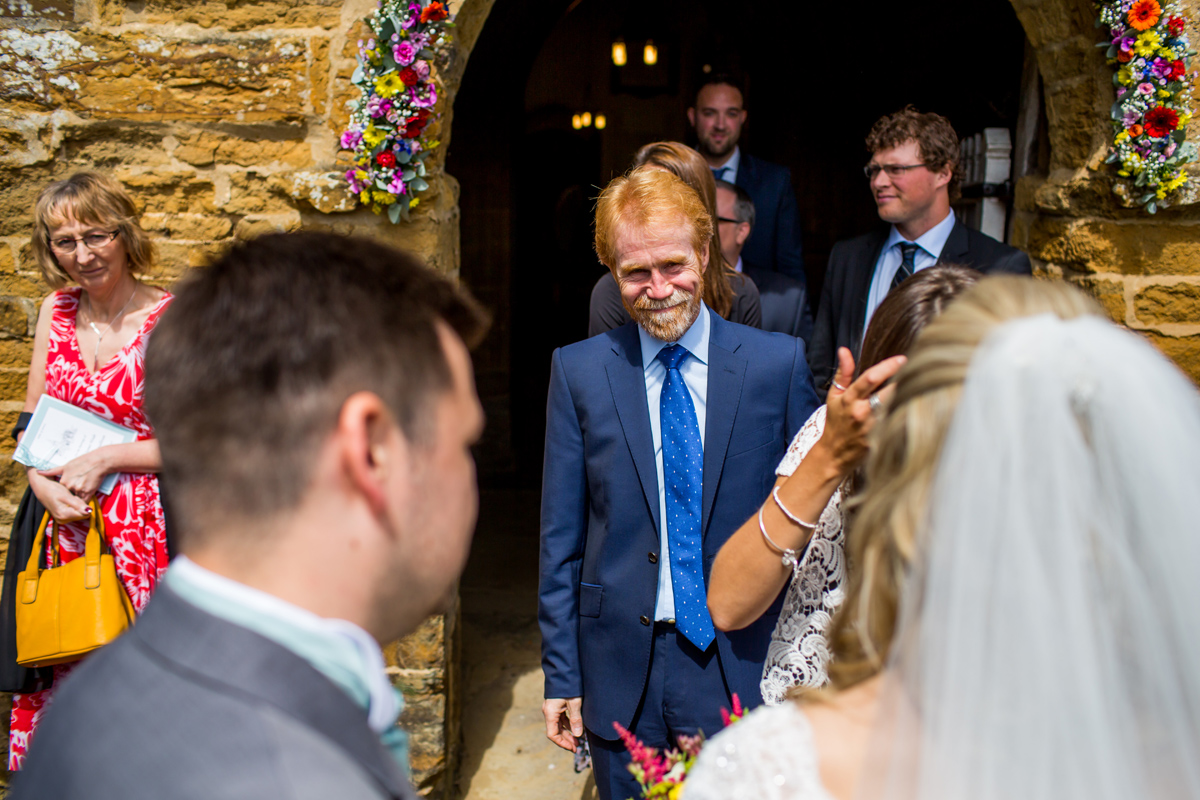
(505, 750)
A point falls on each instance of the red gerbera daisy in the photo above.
(1160, 121)
(1144, 14)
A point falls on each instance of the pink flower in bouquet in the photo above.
(404, 53)
(421, 67)
(424, 96)
(1145, 89)
(351, 139)
(397, 186)
(730, 717)
(356, 185)
(378, 106)
(412, 17)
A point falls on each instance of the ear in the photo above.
(692, 117)
(942, 177)
(372, 447)
(704, 257)
(743, 233)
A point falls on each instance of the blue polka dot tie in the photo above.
(683, 477)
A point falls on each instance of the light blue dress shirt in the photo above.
(341, 651)
(694, 371)
(931, 243)
(731, 166)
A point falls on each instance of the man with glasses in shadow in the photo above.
(914, 176)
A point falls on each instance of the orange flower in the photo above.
(436, 12)
(1124, 56)
(1135, 130)
(1144, 14)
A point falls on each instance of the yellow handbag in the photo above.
(68, 610)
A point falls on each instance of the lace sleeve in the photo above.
(769, 755)
(798, 652)
(805, 438)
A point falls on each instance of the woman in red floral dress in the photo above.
(89, 351)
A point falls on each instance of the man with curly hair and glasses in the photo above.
(914, 176)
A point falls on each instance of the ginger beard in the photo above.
(667, 326)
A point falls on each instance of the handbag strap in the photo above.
(94, 547)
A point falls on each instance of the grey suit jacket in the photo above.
(188, 706)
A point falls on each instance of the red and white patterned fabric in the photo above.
(133, 514)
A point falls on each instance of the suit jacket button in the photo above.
(645, 620)
(653, 558)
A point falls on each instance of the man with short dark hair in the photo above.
(784, 302)
(718, 116)
(662, 438)
(313, 400)
(914, 176)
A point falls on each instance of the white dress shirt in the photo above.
(694, 370)
(930, 246)
(731, 166)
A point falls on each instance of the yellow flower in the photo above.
(383, 198)
(676, 792)
(1161, 193)
(1163, 93)
(1122, 136)
(413, 203)
(1184, 117)
(388, 85)
(1123, 173)
(1146, 44)
(365, 197)
(1125, 76)
(360, 175)
(373, 136)
(1167, 52)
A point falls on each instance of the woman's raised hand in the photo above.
(850, 414)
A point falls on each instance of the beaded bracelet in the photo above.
(810, 525)
(789, 558)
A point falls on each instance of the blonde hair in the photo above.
(693, 170)
(648, 198)
(90, 198)
(887, 518)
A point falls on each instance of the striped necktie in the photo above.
(908, 254)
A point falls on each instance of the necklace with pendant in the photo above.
(107, 328)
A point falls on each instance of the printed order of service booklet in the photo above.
(59, 432)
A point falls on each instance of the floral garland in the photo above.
(387, 123)
(662, 776)
(1150, 49)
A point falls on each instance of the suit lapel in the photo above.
(216, 652)
(746, 176)
(859, 289)
(726, 373)
(955, 249)
(627, 380)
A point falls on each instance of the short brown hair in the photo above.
(905, 312)
(91, 198)
(934, 135)
(643, 198)
(249, 366)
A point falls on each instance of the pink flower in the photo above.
(413, 15)
(405, 53)
(397, 186)
(1145, 89)
(355, 185)
(424, 96)
(351, 139)
(422, 69)
(378, 106)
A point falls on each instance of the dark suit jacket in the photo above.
(784, 305)
(606, 311)
(843, 309)
(774, 244)
(600, 513)
(188, 706)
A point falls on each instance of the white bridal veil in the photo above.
(1049, 641)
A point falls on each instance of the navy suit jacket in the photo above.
(843, 310)
(774, 243)
(600, 513)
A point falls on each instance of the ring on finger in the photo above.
(875, 403)
(839, 387)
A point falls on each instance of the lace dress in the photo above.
(133, 514)
(798, 651)
(769, 755)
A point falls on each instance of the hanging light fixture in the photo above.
(586, 118)
(576, 122)
(600, 122)
(619, 56)
(650, 53)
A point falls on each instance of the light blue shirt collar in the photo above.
(932, 241)
(694, 339)
(340, 650)
(731, 166)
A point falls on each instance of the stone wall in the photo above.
(1144, 270)
(222, 118)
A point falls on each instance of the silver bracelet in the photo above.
(809, 525)
(789, 558)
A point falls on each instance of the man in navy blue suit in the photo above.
(718, 117)
(662, 437)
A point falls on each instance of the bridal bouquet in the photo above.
(1148, 46)
(662, 775)
(387, 123)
